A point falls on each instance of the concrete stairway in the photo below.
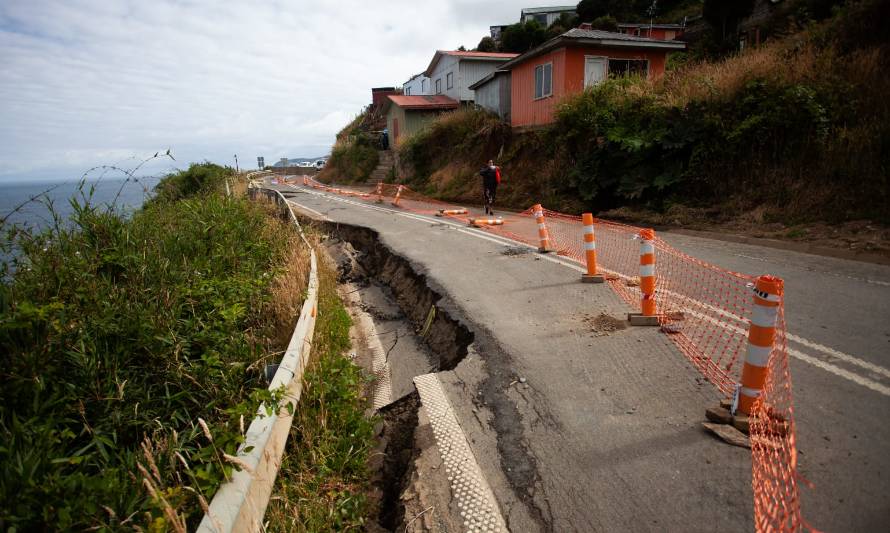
(384, 167)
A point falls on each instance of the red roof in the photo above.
(462, 53)
(438, 101)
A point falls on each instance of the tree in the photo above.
(623, 10)
(462, 48)
(726, 16)
(487, 44)
(519, 37)
(606, 23)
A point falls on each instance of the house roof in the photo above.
(473, 56)
(414, 77)
(551, 9)
(424, 102)
(607, 39)
(647, 25)
(486, 79)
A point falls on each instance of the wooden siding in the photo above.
(568, 78)
(410, 122)
(417, 86)
(472, 71)
(495, 96)
(447, 64)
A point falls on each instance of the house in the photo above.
(379, 94)
(417, 85)
(406, 115)
(496, 31)
(546, 16)
(570, 62)
(452, 72)
(493, 93)
(667, 32)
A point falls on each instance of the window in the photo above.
(540, 19)
(543, 80)
(422, 86)
(407, 91)
(628, 67)
(449, 80)
(439, 86)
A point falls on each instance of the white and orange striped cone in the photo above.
(647, 315)
(451, 212)
(479, 222)
(543, 234)
(395, 200)
(379, 192)
(590, 250)
(647, 272)
(768, 293)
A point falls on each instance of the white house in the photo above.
(452, 72)
(418, 85)
(545, 16)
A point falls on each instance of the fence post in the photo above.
(768, 291)
(590, 250)
(395, 201)
(543, 234)
(648, 315)
(379, 192)
(647, 272)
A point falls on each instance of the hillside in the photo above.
(794, 131)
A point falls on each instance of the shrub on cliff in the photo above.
(200, 178)
(130, 349)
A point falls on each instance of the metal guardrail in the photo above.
(241, 502)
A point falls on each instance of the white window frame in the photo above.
(543, 67)
(423, 86)
(408, 91)
(449, 80)
(438, 85)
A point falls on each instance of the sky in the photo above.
(110, 82)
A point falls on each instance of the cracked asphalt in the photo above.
(579, 431)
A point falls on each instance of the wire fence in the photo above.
(703, 309)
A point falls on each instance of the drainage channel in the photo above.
(425, 475)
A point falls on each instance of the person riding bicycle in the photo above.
(491, 177)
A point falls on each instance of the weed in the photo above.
(323, 481)
(130, 350)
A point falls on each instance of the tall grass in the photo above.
(131, 349)
(352, 160)
(324, 481)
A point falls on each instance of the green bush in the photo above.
(324, 478)
(200, 178)
(116, 335)
(353, 160)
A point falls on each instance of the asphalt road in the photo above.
(603, 434)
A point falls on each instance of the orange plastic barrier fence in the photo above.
(705, 310)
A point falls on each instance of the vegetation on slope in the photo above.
(323, 482)
(131, 348)
(797, 129)
(354, 155)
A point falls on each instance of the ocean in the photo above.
(127, 196)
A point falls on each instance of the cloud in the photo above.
(85, 82)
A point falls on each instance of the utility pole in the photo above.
(236, 163)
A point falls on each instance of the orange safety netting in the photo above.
(704, 309)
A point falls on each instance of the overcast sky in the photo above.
(91, 82)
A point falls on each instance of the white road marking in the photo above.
(504, 241)
(473, 494)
